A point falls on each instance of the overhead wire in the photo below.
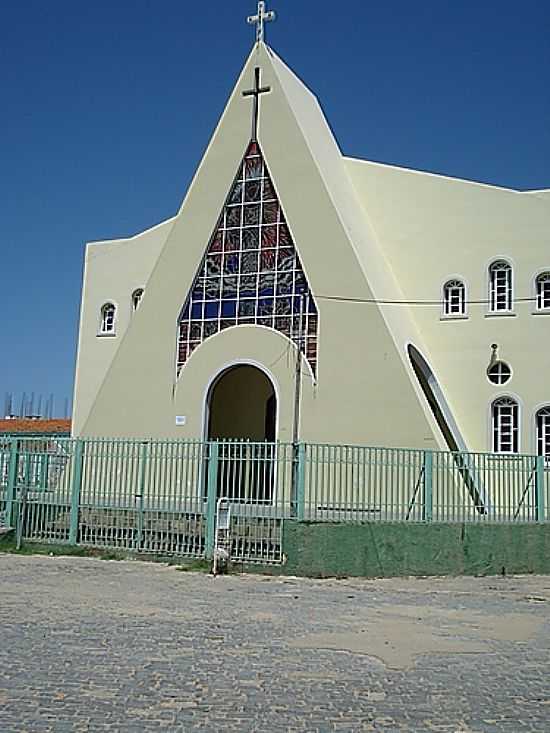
(433, 303)
(284, 352)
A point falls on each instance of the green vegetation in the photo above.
(8, 545)
(193, 566)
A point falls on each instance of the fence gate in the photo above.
(38, 500)
(255, 480)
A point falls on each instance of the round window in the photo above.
(499, 373)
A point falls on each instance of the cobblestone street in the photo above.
(89, 645)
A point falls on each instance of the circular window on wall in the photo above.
(499, 373)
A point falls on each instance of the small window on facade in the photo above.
(505, 419)
(542, 424)
(543, 291)
(499, 372)
(454, 298)
(137, 295)
(107, 324)
(500, 287)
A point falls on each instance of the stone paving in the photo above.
(89, 645)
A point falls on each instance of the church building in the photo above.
(302, 295)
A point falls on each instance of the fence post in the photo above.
(295, 481)
(12, 481)
(143, 455)
(540, 488)
(428, 485)
(76, 485)
(211, 497)
(301, 483)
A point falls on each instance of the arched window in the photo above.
(107, 323)
(500, 287)
(137, 295)
(454, 298)
(543, 291)
(542, 424)
(505, 419)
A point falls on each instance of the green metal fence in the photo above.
(160, 496)
(4, 478)
(355, 483)
(142, 495)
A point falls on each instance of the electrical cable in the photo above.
(380, 301)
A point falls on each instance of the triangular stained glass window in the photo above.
(251, 272)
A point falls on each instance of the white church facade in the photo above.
(418, 305)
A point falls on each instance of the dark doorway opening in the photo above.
(242, 412)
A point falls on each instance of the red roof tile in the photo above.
(43, 427)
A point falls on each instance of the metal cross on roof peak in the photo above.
(263, 16)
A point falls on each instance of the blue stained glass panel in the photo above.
(212, 310)
(251, 272)
(229, 308)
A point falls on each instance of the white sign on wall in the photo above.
(181, 419)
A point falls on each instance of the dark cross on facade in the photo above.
(256, 94)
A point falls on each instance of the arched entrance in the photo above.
(241, 414)
(242, 406)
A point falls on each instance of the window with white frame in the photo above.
(505, 425)
(107, 322)
(500, 287)
(542, 424)
(454, 298)
(137, 295)
(499, 372)
(543, 291)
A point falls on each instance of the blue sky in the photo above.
(107, 109)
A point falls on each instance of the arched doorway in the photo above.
(242, 406)
(241, 415)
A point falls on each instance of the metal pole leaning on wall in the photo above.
(12, 481)
(76, 485)
(297, 404)
(211, 498)
(427, 513)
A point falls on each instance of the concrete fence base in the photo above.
(386, 550)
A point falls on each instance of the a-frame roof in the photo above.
(330, 227)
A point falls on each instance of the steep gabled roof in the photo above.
(330, 226)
